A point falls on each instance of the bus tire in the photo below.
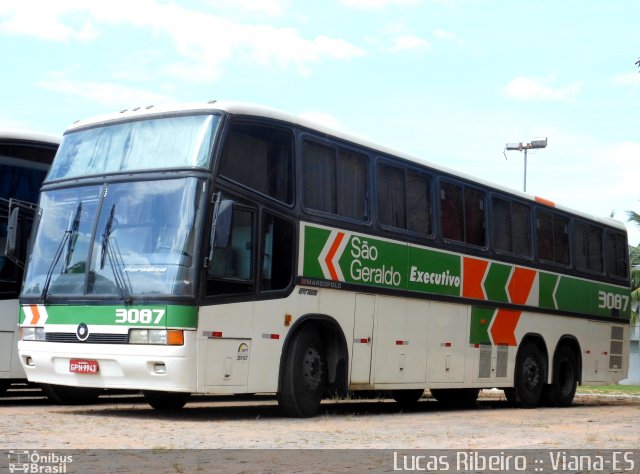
(64, 395)
(304, 375)
(166, 401)
(456, 397)
(407, 398)
(564, 379)
(530, 375)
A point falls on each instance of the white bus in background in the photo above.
(25, 158)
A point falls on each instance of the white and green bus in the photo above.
(226, 248)
(25, 157)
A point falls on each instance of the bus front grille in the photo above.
(92, 339)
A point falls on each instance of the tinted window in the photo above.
(587, 247)
(404, 199)
(510, 227)
(552, 237)
(617, 255)
(335, 180)
(278, 247)
(462, 213)
(261, 158)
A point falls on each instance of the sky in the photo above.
(447, 81)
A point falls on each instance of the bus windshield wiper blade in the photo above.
(70, 236)
(111, 252)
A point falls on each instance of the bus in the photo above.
(228, 248)
(25, 157)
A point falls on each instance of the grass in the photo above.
(611, 389)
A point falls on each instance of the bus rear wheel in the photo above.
(166, 401)
(564, 380)
(64, 395)
(530, 376)
(304, 375)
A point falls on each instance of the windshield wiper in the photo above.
(110, 251)
(70, 237)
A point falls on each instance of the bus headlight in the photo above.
(171, 337)
(32, 334)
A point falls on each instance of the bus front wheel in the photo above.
(166, 401)
(530, 376)
(304, 375)
(64, 395)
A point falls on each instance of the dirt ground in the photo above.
(28, 421)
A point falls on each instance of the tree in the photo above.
(634, 264)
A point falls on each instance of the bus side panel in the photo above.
(399, 341)
(10, 367)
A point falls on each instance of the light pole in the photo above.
(539, 143)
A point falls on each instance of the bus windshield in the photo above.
(167, 142)
(143, 241)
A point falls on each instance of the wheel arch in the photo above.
(335, 344)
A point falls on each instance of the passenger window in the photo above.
(462, 213)
(278, 247)
(231, 268)
(587, 244)
(404, 199)
(335, 180)
(260, 158)
(510, 227)
(617, 255)
(552, 237)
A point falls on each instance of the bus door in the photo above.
(362, 339)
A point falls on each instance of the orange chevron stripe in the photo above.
(503, 330)
(521, 284)
(332, 253)
(474, 271)
(36, 314)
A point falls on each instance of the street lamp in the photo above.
(539, 143)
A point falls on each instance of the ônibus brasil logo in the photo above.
(362, 258)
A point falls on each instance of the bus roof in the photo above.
(243, 108)
(28, 136)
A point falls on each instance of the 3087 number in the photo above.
(612, 301)
(135, 316)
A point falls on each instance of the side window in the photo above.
(352, 187)
(391, 196)
(335, 180)
(260, 158)
(462, 213)
(617, 255)
(510, 227)
(404, 199)
(278, 247)
(587, 247)
(552, 237)
(231, 268)
(419, 203)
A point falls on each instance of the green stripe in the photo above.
(172, 316)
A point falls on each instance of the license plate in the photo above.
(83, 366)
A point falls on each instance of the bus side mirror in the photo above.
(13, 237)
(221, 226)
